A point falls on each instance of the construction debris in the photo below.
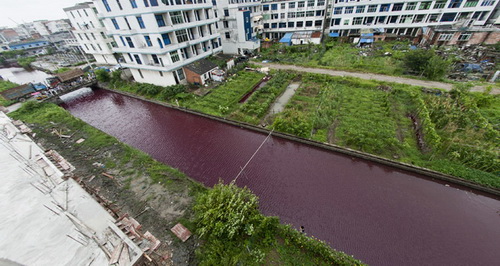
(181, 232)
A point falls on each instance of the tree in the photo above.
(102, 75)
(426, 63)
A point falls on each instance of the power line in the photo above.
(242, 169)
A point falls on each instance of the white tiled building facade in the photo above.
(407, 17)
(90, 33)
(157, 38)
(240, 23)
(281, 17)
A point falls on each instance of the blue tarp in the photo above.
(333, 34)
(287, 38)
(365, 40)
(39, 86)
(366, 34)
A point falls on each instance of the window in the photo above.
(310, 14)
(80, 35)
(155, 59)
(180, 74)
(433, 18)
(471, 3)
(464, 37)
(87, 36)
(372, 8)
(425, 5)
(99, 46)
(291, 24)
(119, 4)
(418, 18)
(274, 16)
(160, 20)
(148, 41)
(226, 12)
(228, 35)
(346, 22)
(146, 3)
(181, 36)
(309, 23)
(291, 5)
(445, 37)
(455, 3)
(360, 9)
(300, 24)
(123, 41)
(321, 2)
(397, 7)
(282, 25)
(300, 4)
(264, 8)
(357, 21)
(411, 6)
(73, 15)
(86, 47)
(282, 15)
(487, 2)
(274, 6)
(106, 5)
(448, 17)
(128, 24)
(384, 7)
(138, 60)
(283, 6)
(130, 57)
(93, 36)
(406, 19)
(86, 14)
(166, 39)
(176, 17)
(266, 25)
(153, 2)
(301, 14)
(129, 41)
(291, 14)
(133, 3)
(140, 73)
(393, 19)
(319, 13)
(336, 21)
(274, 25)
(226, 24)
(310, 2)
(115, 23)
(141, 22)
(348, 10)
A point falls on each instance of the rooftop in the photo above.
(201, 66)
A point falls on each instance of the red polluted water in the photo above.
(378, 214)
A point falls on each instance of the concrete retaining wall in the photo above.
(331, 147)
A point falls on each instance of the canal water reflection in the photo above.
(379, 214)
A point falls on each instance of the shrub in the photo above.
(102, 75)
(426, 63)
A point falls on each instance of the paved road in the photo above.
(415, 82)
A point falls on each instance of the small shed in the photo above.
(199, 72)
(70, 75)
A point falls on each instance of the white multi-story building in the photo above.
(286, 16)
(158, 38)
(407, 17)
(241, 22)
(56, 26)
(90, 33)
(41, 28)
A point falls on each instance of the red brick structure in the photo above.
(460, 36)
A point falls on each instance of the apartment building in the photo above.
(158, 38)
(90, 33)
(406, 17)
(241, 22)
(280, 17)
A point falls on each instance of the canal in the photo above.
(379, 214)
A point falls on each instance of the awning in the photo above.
(333, 34)
(287, 38)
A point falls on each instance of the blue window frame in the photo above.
(166, 39)
(274, 6)
(146, 3)
(130, 57)
(123, 41)
(148, 41)
(159, 42)
(106, 5)
(129, 41)
(160, 20)
(141, 22)
(155, 59)
(384, 7)
(115, 23)
(265, 7)
(154, 2)
(138, 59)
(133, 3)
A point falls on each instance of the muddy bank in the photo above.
(126, 190)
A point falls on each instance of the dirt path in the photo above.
(279, 105)
(415, 82)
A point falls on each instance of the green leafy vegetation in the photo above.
(62, 70)
(5, 85)
(389, 58)
(224, 99)
(235, 233)
(446, 132)
(25, 62)
(102, 75)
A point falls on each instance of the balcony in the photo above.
(154, 9)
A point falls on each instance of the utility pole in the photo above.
(323, 30)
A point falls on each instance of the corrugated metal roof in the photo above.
(287, 38)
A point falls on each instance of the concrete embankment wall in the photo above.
(370, 157)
